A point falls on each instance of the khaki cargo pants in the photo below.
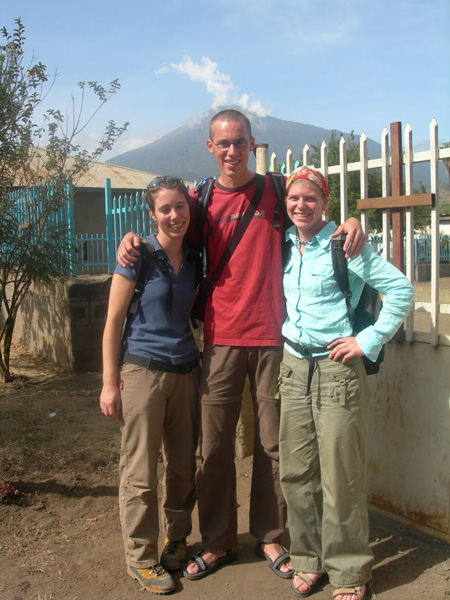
(158, 407)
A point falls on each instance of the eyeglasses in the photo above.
(225, 145)
(164, 179)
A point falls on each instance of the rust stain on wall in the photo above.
(437, 521)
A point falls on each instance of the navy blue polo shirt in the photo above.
(153, 332)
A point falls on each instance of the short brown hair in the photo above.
(230, 114)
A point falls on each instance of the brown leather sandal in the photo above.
(306, 579)
(355, 591)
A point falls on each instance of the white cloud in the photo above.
(219, 85)
(128, 141)
(137, 141)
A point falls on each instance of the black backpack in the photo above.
(368, 307)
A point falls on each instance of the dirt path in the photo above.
(60, 535)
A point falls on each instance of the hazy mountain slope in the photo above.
(183, 151)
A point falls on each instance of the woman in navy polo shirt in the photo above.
(154, 395)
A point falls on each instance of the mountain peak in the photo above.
(183, 151)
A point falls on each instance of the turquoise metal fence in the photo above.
(422, 248)
(30, 208)
(128, 212)
(92, 253)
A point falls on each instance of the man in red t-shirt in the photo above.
(242, 335)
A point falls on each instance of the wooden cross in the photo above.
(397, 202)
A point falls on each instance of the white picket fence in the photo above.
(431, 156)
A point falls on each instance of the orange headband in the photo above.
(310, 174)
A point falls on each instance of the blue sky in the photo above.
(353, 64)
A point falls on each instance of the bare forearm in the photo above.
(110, 350)
(119, 300)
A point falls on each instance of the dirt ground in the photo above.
(59, 524)
(422, 320)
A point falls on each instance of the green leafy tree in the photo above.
(422, 214)
(34, 245)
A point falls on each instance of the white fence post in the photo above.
(409, 250)
(324, 160)
(306, 154)
(364, 179)
(324, 165)
(386, 191)
(289, 162)
(273, 162)
(434, 185)
(343, 178)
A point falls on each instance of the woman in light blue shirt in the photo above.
(324, 395)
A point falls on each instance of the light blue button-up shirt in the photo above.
(316, 308)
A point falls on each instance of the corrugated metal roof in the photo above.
(121, 177)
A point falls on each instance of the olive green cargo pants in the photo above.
(324, 413)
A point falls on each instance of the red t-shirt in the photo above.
(247, 305)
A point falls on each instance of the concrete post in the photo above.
(262, 158)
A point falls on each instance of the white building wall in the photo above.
(409, 434)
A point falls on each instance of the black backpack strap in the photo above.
(240, 230)
(369, 304)
(209, 283)
(203, 192)
(160, 257)
(147, 252)
(278, 182)
(286, 249)
(147, 263)
(279, 186)
(198, 267)
(341, 272)
(150, 257)
(197, 259)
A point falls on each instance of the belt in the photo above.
(157, 365)
(306, 351)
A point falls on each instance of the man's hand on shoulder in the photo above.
(128, 250)
(356, 238)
